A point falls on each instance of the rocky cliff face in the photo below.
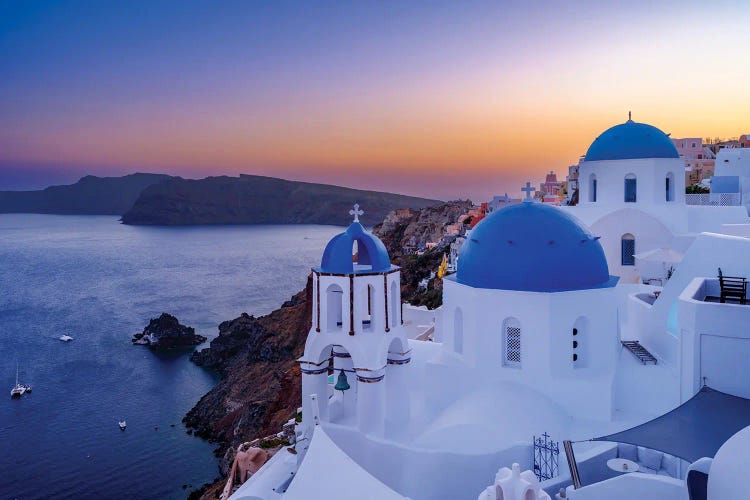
(166, 332)
(260, 387)
(403, 231)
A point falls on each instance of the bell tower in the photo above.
(356, 335)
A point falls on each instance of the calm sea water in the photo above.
(100, 282)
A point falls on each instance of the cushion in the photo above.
(662, 472)
(649, 458)
(627, 451)
(645, 470)
(670, 464)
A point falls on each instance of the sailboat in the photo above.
(18, 389)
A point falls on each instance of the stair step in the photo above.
(639, 351)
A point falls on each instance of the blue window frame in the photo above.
(630, 190)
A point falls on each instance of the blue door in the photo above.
(628, 252)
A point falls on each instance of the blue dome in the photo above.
(631, 140)
(372, 255)
(535, 248)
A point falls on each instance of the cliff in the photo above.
(404, 231)
(260, 386)
(89, 196)
(252, 199)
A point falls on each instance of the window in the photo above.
(628, 249)
(334, 310)
(669, 186)
(592, 188)
(512, 343)
(630, 188)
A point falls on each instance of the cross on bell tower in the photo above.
(356, 212)
(528, 190)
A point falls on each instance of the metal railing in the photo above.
(546, 457)
(714, 199)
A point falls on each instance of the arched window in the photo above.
(512, 343)
(630, 188)
(334, 297)
(592, 188)
(627, 246)
(458, 331)
(669, 186)
(369, 319)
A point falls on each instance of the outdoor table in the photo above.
(622, 465)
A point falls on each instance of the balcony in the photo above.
(714, 199)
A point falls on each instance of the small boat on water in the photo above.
(66, 338)
(27, 387)
(18, 390)
(123, 424)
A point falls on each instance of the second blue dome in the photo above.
(533, 247)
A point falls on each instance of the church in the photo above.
(547, 334)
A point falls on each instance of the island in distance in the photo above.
(166, 332)
(254, 199)
(163, 200)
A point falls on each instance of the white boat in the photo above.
(66, 338)
(18, 390)
(122, 424)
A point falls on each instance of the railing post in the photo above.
(572, 465)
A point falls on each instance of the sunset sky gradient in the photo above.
(446, 100)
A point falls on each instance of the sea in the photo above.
(100, 282)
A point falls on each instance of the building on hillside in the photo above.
(477, 214)
(732, 180)
(744, 141)
(550, 191)
(499, 202)
(699, 159)
(718, 144)
(571, 197)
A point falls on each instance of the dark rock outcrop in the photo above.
(253, 199)
(89, 196)
(165, 332)
(260, 386)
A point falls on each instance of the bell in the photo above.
(342, 384)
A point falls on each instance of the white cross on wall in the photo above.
(528, 190)
(356, 212)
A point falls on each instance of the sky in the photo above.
(437, 99)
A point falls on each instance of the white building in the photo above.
(732, 175)
(632, 195)
(529, 340)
